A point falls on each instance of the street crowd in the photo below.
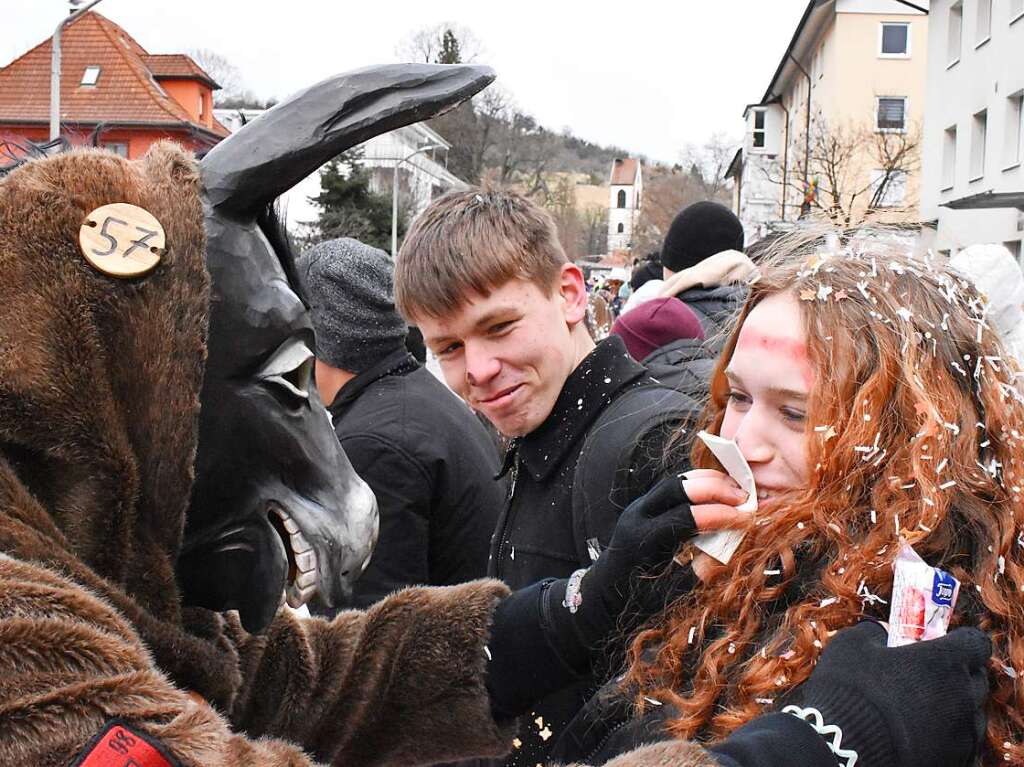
(550, 583)
(800, 350)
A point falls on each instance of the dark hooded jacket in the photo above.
(717, 308)
(431, 465)
(686, 364)
(539, 533)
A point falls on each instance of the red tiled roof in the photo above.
(624, 172)
(176, 65)
(126, 91)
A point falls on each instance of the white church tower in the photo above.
(626, 185)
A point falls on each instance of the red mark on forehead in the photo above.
(788, 346)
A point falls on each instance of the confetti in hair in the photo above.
(924, 419)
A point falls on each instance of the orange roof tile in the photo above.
(624, 171)
(126, 91)
(176, 65)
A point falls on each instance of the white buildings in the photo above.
(852, 77)
(421, 177)
(973, 182)
(625, 199)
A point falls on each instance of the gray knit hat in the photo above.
(351, 290)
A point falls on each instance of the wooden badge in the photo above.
(122, 240)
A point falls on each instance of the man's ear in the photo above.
(572, 287)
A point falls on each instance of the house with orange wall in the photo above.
(113, 93)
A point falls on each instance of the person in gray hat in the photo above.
(418, 446)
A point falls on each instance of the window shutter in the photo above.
(891, 114)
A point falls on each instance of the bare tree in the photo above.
(522, 151)
(427, 44)
(854, 171)
(708, 163)
(582, 231)
(224, 73)
(492, 137)
(897, 154)
(666, 192)
(472, 129)
(593, 230)
(560, 200)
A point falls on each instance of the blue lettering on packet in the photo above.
(943, 588)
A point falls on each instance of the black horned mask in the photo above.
(276, 507)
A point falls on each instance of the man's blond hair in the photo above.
(474, 242)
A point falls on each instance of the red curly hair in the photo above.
(914, 429)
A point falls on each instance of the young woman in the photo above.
(873, 402)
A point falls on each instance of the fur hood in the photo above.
(99, 375)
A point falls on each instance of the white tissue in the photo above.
(721, 544)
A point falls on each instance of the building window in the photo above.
(620, 228)
(1016, 10)
(759, 129)
(891, 114)
(979, 135)
(200, 111)
(621, 199)
(894, 41)
(954, 33)
(895, 192)
(1014, 130)
(949, 157)
(90, 76)
(983, 27)
(117, 147)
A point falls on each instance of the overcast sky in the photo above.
(645, 75)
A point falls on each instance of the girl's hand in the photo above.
(714, 497)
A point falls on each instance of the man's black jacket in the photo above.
(535, 535)
(431, 465)
(534, 538)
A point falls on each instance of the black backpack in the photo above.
(601, 488)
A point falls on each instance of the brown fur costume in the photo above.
(99, 382)
(668, 754)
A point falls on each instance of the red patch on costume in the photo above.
(121, 745)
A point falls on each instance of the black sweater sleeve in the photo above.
(774, 740)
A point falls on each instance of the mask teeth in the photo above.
(304, 585)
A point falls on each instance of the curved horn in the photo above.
(282, 146)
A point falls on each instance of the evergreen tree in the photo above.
(450, 53)
(347, 206)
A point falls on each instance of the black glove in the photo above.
(921, 705)
(538, 645)
(646, 536)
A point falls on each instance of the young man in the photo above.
(483, 275)
(437, 498)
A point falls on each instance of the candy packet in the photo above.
(721, 544)
(922, 600)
